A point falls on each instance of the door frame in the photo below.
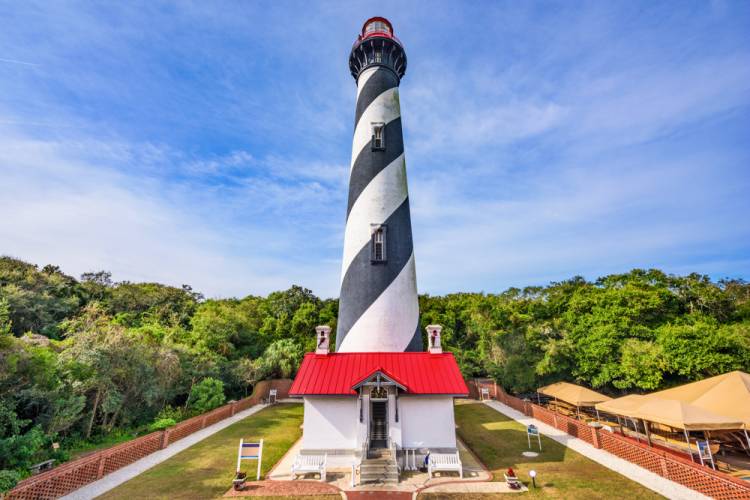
(387, 423)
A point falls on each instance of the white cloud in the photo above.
(61, 208)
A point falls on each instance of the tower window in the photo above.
(378, 253)
(378, 56)
(378, 136)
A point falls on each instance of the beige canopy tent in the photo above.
(716, 403)
(681, 415)
(727, 395)
(573, 394)
(625, 405)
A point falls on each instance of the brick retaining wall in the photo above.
(72, 475)
(697, 477)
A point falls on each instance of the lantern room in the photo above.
(376, 45)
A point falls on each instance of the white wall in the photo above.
(427, 421)
(330, 423)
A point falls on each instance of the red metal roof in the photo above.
(420, 372)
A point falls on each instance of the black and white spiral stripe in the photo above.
(378, 308)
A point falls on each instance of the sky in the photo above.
(208, 143)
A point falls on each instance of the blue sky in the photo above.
(208, 143)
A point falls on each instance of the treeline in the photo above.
(639, 331)
(87, 361)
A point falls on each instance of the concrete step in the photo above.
(379, 470)
(379, 479)
(378, 461)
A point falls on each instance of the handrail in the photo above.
(356, 465)
(394, 451)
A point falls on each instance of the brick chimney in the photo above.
(324, 337)
(433, 339)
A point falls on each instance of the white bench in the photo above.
(304, 464)
(445, 462)
(512, 481)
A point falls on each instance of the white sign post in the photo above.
(250, 451)
(532, 430)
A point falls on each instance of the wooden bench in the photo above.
(305, 464)
(42, 466)
(445, 462)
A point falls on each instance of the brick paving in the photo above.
(373, 495)
(283, 489)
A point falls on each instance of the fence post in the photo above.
(234, 405)
(203, 422)
(664, 468)
(164, 438)
(595, 437)
(102, 461)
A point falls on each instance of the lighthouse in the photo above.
(378, 305)
(380, 400)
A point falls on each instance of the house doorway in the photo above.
(379, 424)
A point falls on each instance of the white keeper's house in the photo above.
(380, 390)
(358, 401)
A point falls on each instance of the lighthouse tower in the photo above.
(379, 394)
(378, 307)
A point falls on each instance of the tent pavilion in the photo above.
(671, 413)
(720, 403)
(620, 407)
(727, 394)
(572, 394)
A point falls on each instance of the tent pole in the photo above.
(687, 438)
(708, 445)
(648, 434)
(597, 414)
(748, 439)
(637, 432)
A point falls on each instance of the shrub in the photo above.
(161, 423)
(8, 479)
(206, 395)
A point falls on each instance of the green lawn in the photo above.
(561, 472)
(206, 469)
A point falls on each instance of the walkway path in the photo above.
(661, 485)
(128, 472)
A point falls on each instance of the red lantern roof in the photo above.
(336, 374)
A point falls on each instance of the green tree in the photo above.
(281, 360)
(206, 395)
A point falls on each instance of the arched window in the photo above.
(377, 242)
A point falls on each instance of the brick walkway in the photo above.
(374, 495)
(283, 489)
